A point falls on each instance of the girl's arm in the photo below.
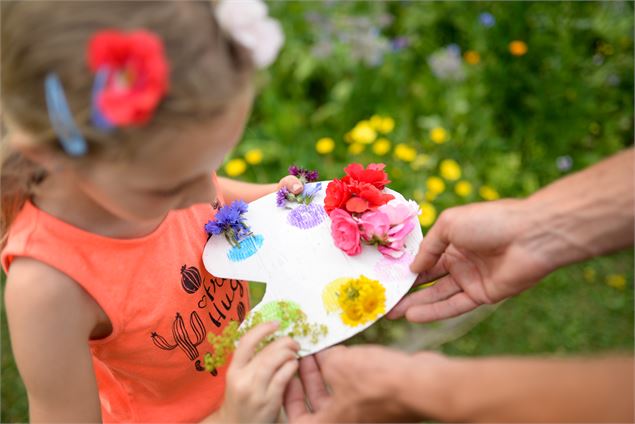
(50, 321)
(235, 190)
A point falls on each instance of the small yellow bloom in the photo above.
(517, 48)
(235, 167)
(325, 145)
(420, 161)
(418, 194)
(356, 148)
(488, 193)
(589, 274)
(405, 153)
(381, 146)
(435, 185)
(363, 133)
(472, 57)
(428, 214)
(376, 121)
(463, 188)
(450, 170)
(253, 156)
(387, 125)
(360, 300)
(439, 135)
(617, 281)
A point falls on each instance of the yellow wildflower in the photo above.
(420, 161)
(325, 145)
(439, 135)
(488, 193)
(381, 146)
(428, 214)
(235, 167)
(405, 153)
(617, 281)
(376, 121)
(363, 133)
(435, 185)
(361, 300)
(418, 194)
(253, 156)
(387, 125)
(589, 274)
(463, 188)
(356, 148)
(472, 57)
(450, 170)
(517, 48)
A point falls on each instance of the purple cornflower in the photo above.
(487, 19)
(229, 220)
(281, 197)
(304, 175)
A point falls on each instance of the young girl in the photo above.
(117, 113)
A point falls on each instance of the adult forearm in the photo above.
(530, 390)
(584, 215)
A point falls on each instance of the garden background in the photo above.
(463, 102)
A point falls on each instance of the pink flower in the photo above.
(374, 226)
(345, 232)
(399, 211)
(394, 247)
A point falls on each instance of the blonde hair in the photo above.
(207, 69)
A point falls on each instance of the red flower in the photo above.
(365, 197)
(337, 193)
(373, 174)
(137, 74)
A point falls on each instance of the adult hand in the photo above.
(480, 254)
(365, 383)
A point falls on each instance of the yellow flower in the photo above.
(363, 133)
(356, 148)
(488, 193)
(381, 146)
(325, 145)
(376, 121)
(428, 214)
(472, 57)
(439, 135)
(420, 161)
(517, 48)
(589, 274)
(405, 153)
(450, 170)
(435, 185)
(418, 194)
(360, 300)
(253, 156)
(387, 125)
(463, 188)
(235, 167)
(617, 281)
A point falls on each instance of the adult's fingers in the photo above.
(456, 305)
(281, 378)
(294, 400)
(246, 348)
(432, 246)
(313, 382)
(441, 290)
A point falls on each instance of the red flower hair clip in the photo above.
(132, 75)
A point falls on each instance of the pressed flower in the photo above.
(463, 188)
(325, 145)
(405, 153)
(381, 146)
(254, 156)
(304, 175)
(488, 193)
(428, 214)
(472, 57)
(235, 167)
(518, 48)
(361, 300)
(435, 185)
(438, 135)
(230, 222)
(450, 170)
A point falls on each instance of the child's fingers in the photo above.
(246, 348)
(268, 361)
(293, 184)
(280, 379)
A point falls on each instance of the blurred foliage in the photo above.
(518, 94)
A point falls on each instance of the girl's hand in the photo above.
(293, 184)
(256, 381)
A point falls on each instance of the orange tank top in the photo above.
(161, 302)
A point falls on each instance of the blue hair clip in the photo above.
(99, 120)
(61, 118)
